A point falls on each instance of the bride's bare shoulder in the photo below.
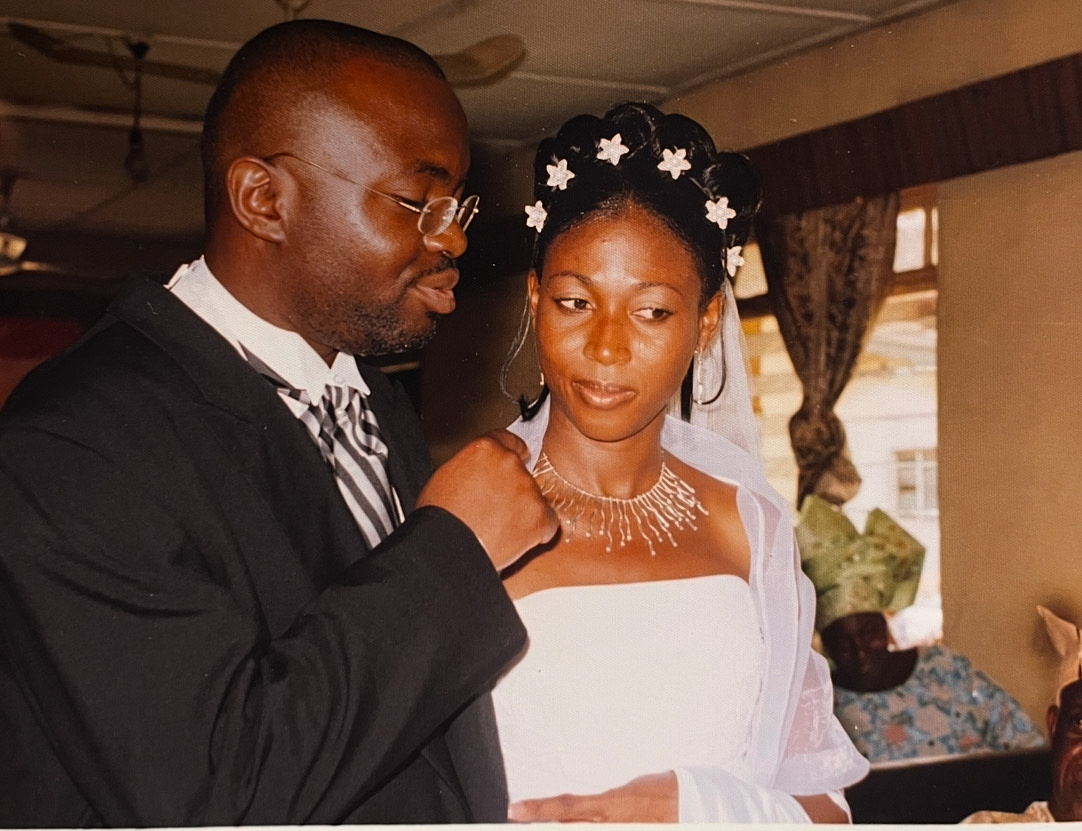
(722, 523)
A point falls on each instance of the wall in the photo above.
(1010, 341)
(460, 395)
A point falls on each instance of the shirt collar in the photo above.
(285, 352)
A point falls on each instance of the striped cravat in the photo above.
(348, 436)
(345, 430)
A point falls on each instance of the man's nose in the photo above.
(450, 242)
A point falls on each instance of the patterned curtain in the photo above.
(828, 271)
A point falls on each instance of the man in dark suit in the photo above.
(229, 590)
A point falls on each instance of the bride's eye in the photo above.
(653, 313)
(573, 304)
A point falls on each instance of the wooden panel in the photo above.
(1030, 114)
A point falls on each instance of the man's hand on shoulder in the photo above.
(487, 486)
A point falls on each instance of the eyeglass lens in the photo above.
(438, 214)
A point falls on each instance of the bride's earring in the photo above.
(701, 396)
(524, 332)
(698, 397)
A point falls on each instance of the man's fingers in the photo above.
(487, 486)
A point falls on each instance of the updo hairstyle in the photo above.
(600, 187)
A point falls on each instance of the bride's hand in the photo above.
(650, 798)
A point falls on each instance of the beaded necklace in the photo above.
(670, 503)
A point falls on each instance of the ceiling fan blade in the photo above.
(485, 62)
(10, 269)
(64, 52)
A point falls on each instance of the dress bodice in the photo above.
(624, 680)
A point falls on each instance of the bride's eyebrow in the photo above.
(588, 282)
(582, 278)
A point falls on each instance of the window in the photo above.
(888, 407)
(918, 477)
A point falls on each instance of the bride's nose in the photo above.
(607, 341)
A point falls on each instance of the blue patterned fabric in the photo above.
(945, 707)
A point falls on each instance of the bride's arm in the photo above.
(829, 807)
(703, 795)
(651, 798)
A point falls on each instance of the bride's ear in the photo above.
(710, 319)
(533, 291)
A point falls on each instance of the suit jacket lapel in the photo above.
(282, 466)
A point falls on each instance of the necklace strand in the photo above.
(669, 504)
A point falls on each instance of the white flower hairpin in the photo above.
(536, 216)
(674, 162)
(611, 149)
(559, 175)
(719, 211)
(733, 260)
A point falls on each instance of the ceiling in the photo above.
(64, 128)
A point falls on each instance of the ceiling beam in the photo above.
(106, 32)
(767, 56)
(774, 8)
(779, 54)
(96, 118)
(595, 83)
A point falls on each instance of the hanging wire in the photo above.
(118, 67)
(292, 8)
(174, 162)
(135, 163)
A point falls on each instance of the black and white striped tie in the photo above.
(344, 428)
(349, 438)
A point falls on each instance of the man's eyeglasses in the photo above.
(435, 216)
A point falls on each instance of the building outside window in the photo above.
(918, 476)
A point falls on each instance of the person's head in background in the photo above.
(860, 647)
(1064, 719)
(858, 578)
(334, 162)
(650, 196)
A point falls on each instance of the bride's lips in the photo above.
(603, 396)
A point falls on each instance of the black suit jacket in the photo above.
(193, 629)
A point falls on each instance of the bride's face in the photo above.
(619, 315)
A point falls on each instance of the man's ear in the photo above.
(1050, 719)
(255, 196)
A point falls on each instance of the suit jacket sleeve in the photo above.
(152, 660)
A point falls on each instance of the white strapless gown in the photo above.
(624, 680)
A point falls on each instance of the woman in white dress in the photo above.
(669, 675)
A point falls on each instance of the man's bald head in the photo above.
(273, 82)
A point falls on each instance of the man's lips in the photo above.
(439, 301)
(436, 289)
(603, 396)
